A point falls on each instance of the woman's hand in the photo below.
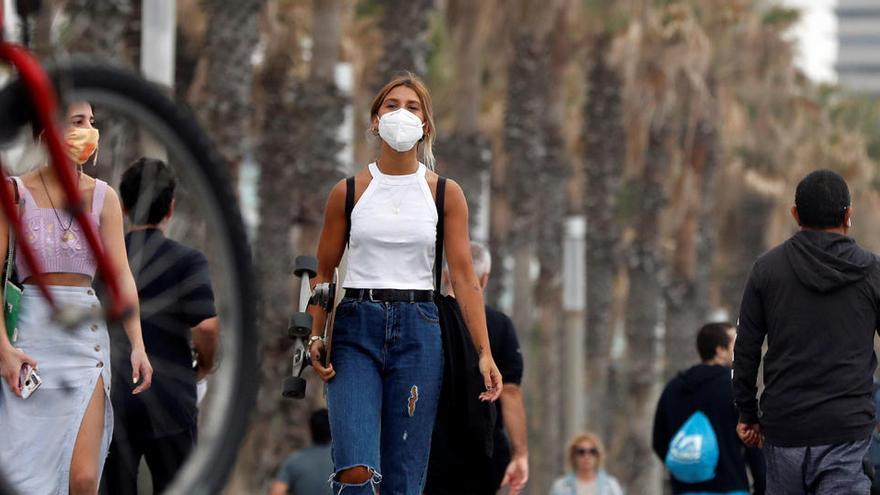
(11, 362)
(491, 377)
(316, 354)
(141, 370)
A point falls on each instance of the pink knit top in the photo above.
(58, 252)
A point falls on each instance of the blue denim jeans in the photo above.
(383, 400)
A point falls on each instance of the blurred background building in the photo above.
(858, 61)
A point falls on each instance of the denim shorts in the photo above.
(388, 358)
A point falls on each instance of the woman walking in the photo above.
(56, 440)
(387, 356)
(586, 454)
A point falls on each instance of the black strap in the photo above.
(349, 206)
(10, 251)
(438, 249)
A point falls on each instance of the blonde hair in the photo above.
(589, 437)
(412, 82)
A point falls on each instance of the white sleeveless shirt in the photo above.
(393, 234)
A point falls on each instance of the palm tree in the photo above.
(605, 148)
(404, 27)
(464, 154)
(298, 166)
(530, 164)
(221, 93)
(101, 28)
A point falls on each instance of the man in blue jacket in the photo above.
(707, 387)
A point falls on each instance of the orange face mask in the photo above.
(81, 143)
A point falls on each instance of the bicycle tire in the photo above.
(208, 468)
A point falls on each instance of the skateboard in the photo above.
(327, 296)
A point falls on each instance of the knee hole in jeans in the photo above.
(356, 475)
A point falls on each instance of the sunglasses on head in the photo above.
(582, 451)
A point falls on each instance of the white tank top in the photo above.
(393, 234)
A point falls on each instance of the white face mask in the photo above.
(401, 129)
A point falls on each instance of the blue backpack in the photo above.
(693, 451)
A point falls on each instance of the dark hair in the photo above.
(710, 337)
(147, 189)
(319, 427)
(821, 199)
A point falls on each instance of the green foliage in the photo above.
(439, 52)
(368, 8)
(859, 113)
(780, 17)
(609, 16)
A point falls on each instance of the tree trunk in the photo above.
(404, 27)
(551, 179)
(644, 318)
(605, 139)
(465, 154)
(297, 153)
(744, 233)
(687, 295)
(221, 93)
(100, 29)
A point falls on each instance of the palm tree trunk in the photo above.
(644, 317)
(221, 93)
(687, 295)
(404, 27)
(605, 139)
(465, 154)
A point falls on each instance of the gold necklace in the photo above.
(66, 234)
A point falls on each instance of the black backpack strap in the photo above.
(438, 249)
(349, 206)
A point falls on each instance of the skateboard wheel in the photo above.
(303, 265)
(300, 325)
(294, 387)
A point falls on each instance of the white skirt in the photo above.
(37, 434)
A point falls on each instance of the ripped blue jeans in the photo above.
(383, 400)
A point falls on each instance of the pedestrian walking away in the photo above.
(706, 389)
(816, 300)
(177, 317)
(386, 366)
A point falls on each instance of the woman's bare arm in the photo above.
(113, 240)
(465, 283)
(331, 246)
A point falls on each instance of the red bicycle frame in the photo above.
(44, 103)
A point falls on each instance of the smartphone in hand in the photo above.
(28, 380)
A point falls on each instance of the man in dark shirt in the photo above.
(706, 387)
(816, 298)
(177, 316)
(475, 474)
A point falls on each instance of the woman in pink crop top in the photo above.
(64, 451)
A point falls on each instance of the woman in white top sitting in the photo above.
(586, 455)
(387, 355)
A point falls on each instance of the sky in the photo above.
(816, 36)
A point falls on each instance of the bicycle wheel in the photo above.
(136, 119)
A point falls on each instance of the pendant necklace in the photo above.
(395, 208)
(66, 234)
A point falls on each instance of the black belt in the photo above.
(390, 295)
